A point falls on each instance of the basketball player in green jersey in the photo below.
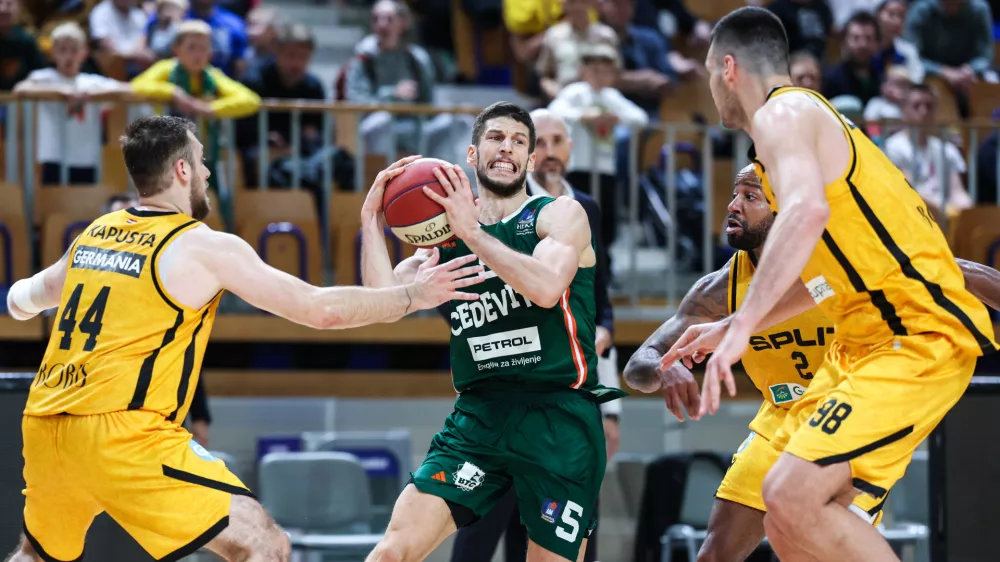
(522, 356)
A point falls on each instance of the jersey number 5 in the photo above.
(567, 518)
(91, 322)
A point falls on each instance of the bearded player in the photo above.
(522, 358)
(852, 237)
(781, 362)
(137, 294)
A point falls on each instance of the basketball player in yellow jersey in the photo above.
(137, 294)
(781, 362)
(853, 237)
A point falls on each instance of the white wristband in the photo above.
(20, 295)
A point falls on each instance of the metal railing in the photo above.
(659, 150)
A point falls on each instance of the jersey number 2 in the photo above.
(801, 364)
(91, 323)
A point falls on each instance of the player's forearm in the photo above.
(982, 281)
(350, 307)
(790, 243)
(795, 301)
(642, 372)
(376, 267)
(533, 278)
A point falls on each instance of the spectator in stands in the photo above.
(390, 69)
(844, 9)
(593, 108)
(933, 166)
(808, 24)
(118, 27)
(527, 20)
(195, 88)
(19, 53)
(559, 59)
(646, 76)
(954, 38)
(229, 35)
(285, 76)
(262, 32)
(894, 49)
(679, 20)
(888, 104)
(69, 132)
(805, 71)
(161, 34)
(857, 75)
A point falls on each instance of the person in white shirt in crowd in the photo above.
(559, 60)
(895, 49)
(888, 104)
(161, 35)
(69, 131)
(593, 108)
(933, 166)
(118, 27)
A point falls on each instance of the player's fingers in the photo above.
(713, 406)
(431, 260)
(458, 262)
(398, 164)
(706, 390)
(463, 177)
(465, 272)
(698, 356)
(444, 180)
(675, 351)
(456, 181)
(460, 296)
(670, 397)
(468, 281)
(693, 404)
(727, 376)
(436, 197)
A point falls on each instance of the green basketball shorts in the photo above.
(549, 446)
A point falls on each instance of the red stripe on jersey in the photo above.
(578, 359)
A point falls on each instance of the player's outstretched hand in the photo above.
(459, 202)
(680, 392)
(372, 208)
(720, 368)
(436, 284)
(695, 344)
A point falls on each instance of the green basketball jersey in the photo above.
(504, 337)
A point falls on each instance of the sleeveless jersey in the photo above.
(781, 361)
(119, 342)
(505, 338)
(883, 268)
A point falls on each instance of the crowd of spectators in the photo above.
(606, 66)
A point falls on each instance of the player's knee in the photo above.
(783, 501)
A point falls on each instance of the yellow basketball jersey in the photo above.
(118, 341)
(883, 268)
(782, 360)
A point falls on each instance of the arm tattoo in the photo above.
(705, 302)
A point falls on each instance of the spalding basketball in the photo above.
(412, 216)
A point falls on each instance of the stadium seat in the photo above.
(973, 223)
(284, 229)
(984, 99)
(703, 479)
(15, 248)
(947, 102)
(214, 218)
(76, 201)
(59, 230)
(321, 498)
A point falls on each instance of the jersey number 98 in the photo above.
(830, 415)
(91, 323)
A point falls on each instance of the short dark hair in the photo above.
(922, 89)
(885, 4)
(296, 34)
(504, 109)
(755, 37)
(862, 17)
(150, 146)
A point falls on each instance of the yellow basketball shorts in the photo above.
(151, 477)
(871, 408)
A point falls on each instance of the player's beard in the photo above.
(750, 237)
(501, 190)
(200, 206)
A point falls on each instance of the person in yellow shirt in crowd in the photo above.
(194, 88)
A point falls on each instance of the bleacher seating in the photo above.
(15, 246)
(284, 228)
